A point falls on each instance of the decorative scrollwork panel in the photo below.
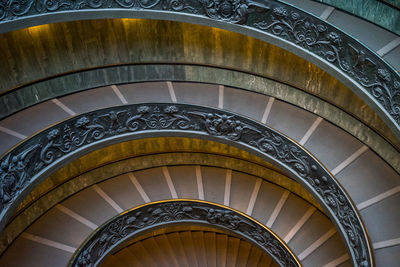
(379, 82)
(161, 214)
(24, 166)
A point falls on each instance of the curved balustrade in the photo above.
(358, 67)
(29, 163)
(176, 212)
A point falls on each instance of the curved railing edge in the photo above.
(128, 224)
(30, 162)
(361, 69)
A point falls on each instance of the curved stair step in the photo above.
(296, 221)
(363, 174)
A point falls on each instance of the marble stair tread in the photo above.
(175, 239)
(389, 256)
(190, 248)
(331, 145)
(210, 242)
(31, 120)
(267, 199)
(315, 227)
(125, 258)
(190, 251)
(367, 177)
(292, 211)
(325, 253)
(122, 191)
(197, 93)
(246, 103)
(145, 92)
(386, 214)
(7, 141)
(290, 120)
(267, 262)
(199, 246)
(142, 254)
(241, 190)
(152, 246)
(93, 99)
(232, 251)
(91, 206)
(168, 250)
(221, 249)
(244, 253)
(34, 255)
(214, 183)
(153, 183)
(50, 224)
(254, 256)
(184, 181)
(393, 58)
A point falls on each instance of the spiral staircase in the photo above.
(216, 250)
(74, 66)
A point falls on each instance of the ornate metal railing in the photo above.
(366, 73)
(131, 224)
(30, 162)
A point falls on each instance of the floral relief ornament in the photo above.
(126, 226)
(286, 22)
(22, 165)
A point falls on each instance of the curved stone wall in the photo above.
(359, 68)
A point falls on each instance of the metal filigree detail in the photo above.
(125, 226)
(233, 11)
(224, 125)
(379, 81)
(340, 50)
(17, 168)
(25, 163)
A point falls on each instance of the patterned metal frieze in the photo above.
(24, 165)
(379, 81)
(125, 226)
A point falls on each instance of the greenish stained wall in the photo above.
(371, 10)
